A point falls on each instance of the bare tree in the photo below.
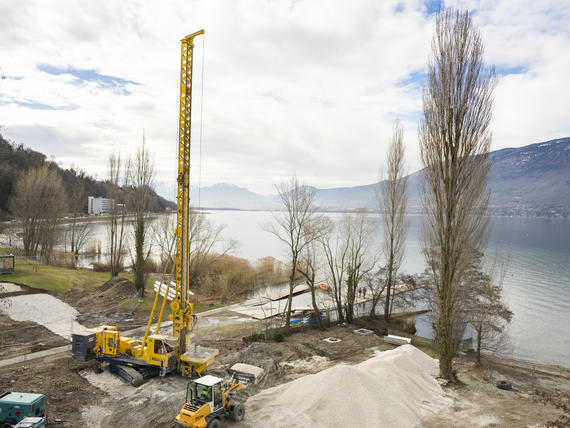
(454, 141)
(488, 313)
(308, 267)
(141, 174)
(292, 226)
(376, 283)
(207, 245)
(392, 201)
(117, 215)
(80, 230)
(164, 237)
(39, 200)
(357, 231)
(335, 250)
(346, 247)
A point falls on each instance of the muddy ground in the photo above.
(102, 305)
(112, 303)
(67, 391)
(82, 396)
(24, 337)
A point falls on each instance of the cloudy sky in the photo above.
(302, 87)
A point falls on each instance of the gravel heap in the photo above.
(397, 388)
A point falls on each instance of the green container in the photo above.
(15, 406)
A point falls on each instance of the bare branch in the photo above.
(294, 226)
(392, 202)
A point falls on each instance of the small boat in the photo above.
(323, 286)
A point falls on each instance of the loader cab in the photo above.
(206, 390)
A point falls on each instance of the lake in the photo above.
(536, 286)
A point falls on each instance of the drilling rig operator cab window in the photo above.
(160, 347)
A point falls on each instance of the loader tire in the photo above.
(238, 412)
(214, 423)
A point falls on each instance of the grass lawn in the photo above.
(61, 279)
(55, 278)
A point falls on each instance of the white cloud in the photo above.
(305, 87)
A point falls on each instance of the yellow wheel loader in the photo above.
(208, 402)
(209, 399)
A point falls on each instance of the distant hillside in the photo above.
(229, 196)
(16, 159)
(532, 180)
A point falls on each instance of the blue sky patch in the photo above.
(504, 71)
(433, 6)
(416, 78)
(112, 82)
(40, 106)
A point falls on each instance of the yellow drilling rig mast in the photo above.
(158, 354)
(181, 308)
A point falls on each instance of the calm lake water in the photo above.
(536, 286)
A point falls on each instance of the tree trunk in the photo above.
(388, 289)
(349, 298)
(139, 255)
(445, 366)
(290, 298)
(339, 309)
(316, 308)
(444, 341)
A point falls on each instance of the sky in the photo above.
(304, 87)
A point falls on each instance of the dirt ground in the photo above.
(158, 401)
(67, 391)
(96, 307)
(479, 401)
(106, 305)
(84, 397)
(24, 337)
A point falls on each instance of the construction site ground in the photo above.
(82, 396)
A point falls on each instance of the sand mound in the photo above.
(395, 388)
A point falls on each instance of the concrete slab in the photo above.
(364, 332)
(397, 340)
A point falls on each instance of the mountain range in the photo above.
(527, 181)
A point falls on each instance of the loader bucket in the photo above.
(246, 373)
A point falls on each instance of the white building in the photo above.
(98, 206)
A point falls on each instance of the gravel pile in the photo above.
(396, 388)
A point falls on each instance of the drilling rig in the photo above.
(158, 354)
